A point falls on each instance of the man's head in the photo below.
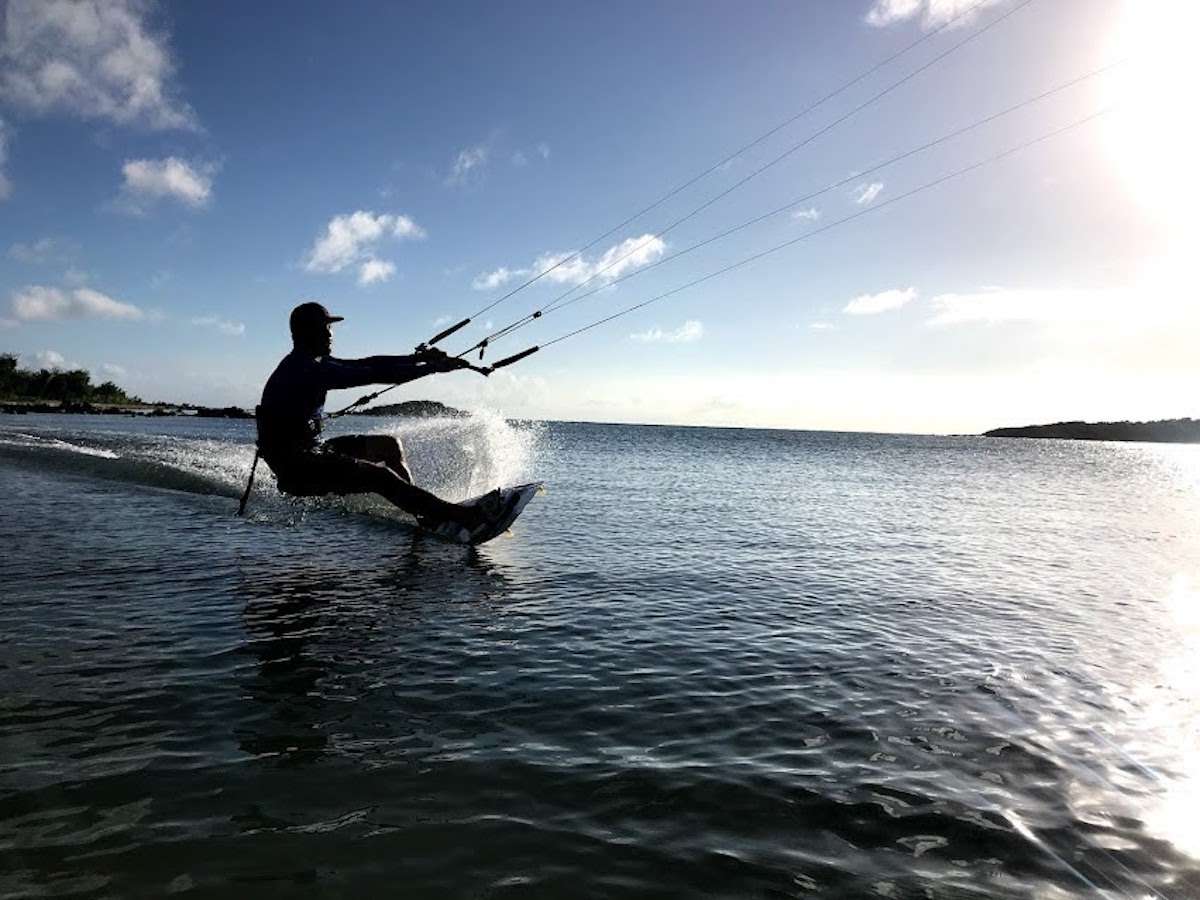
(311, 332)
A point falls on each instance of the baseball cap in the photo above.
(306, 315)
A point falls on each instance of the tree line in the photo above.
(74, 386)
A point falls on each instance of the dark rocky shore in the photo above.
(1176, 431)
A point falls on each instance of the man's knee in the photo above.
(394, 444)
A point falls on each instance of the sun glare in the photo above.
(1153, 132)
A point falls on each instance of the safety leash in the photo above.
(249, 485)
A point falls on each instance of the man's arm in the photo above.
(347, 373)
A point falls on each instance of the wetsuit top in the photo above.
(293, 401)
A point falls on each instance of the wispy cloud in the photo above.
(933, 13)
(95, 60)
(520, 158)
(689, 331)
(35, 252)
(39, 303)
(488, 281)
(374, 271)
(822, 326)
(352, 239)
(114, 370)
(225, 326)
(5, 184)
(467, 165)
(617, 260)
(866, 193)
(873, 304)
(806, 215)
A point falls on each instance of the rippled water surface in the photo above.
(710, 663)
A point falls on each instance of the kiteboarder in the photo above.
(289, 425)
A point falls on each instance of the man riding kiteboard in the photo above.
(289, 427)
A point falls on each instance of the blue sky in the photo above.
(175, 178)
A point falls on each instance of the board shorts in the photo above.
(328, 468)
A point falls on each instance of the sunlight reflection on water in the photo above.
(1177, 817)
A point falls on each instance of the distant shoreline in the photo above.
(1163, 431)
(418, 409)
(1175, 431)
(70, 407)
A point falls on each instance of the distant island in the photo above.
(417, 409)
(1174, 431)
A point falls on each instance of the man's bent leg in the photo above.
(376, 478)
(312, 474)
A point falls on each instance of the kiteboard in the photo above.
(511, 502)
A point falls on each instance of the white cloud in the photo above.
(543, 150)
(689, 331)
(520, 159)
(488, 281)
(225, 326)
(114, 370)
(98, 60)
(807, 215)
(5, 184)
(866, 193)
(374, 271)
(933, 12)
(149, 180)
(822, 326)
(50, 359)
(351, 238)
(630, 254)
(37, 303)
(470, 159)
(872, 304)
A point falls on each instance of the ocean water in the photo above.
(706, 663)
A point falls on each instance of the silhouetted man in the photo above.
(289, 424)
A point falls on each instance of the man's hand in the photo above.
(439, 360)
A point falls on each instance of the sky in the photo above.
(174, 178)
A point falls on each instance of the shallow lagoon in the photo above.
(708, 662)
